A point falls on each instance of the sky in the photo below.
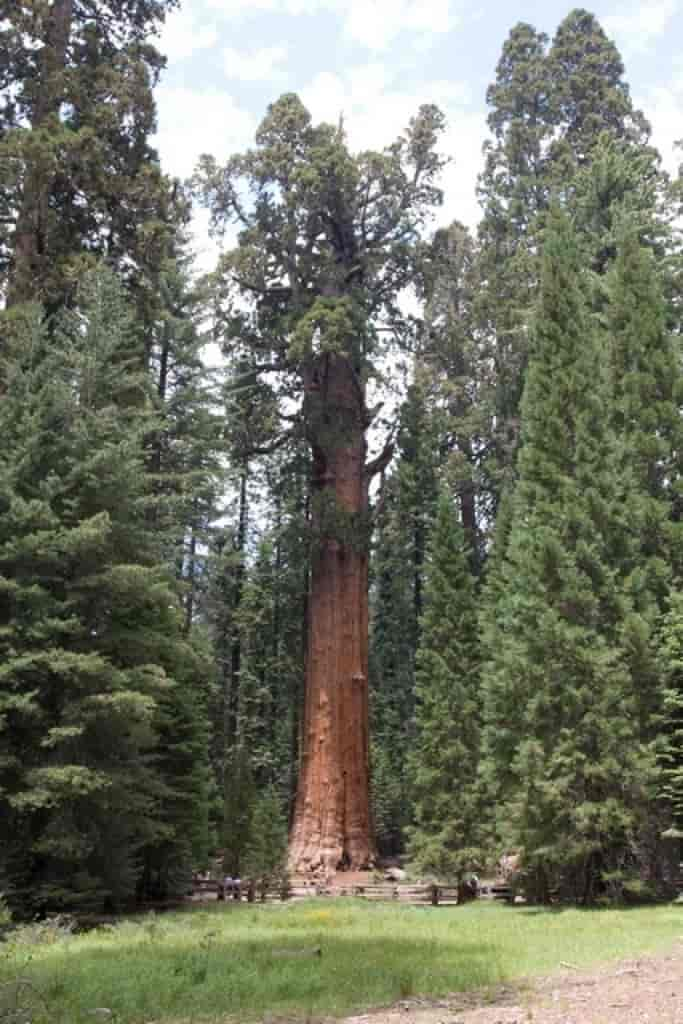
(375, 62)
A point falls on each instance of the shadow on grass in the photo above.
(246, 978)
(607, 909)
(317, 958)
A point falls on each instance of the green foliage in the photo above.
(328, 242)
(326, 327)
(265, 851)
(456, 381)
(647, 390)
(257, 712)
(126, 615)
(76, 122)
(94, 664)
(403, 521)
(551, 110)
(562, 744)
(589, 94)
(185, 448)
(238, 800)
(671, 755)
(444, 756)
(621, 189)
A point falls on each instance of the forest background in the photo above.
(155, 513)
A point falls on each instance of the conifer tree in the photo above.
(393, 640)
(324, 250)
(550, 107)
(406, 510)
(256, 718)
(622, 185)
(514, 192)
(76, 114)
(561, 733)
(239, 797)
(444, 756)
(672, 748)
(184, 450)
(263, 714)
(458, 383)
(648, 391)
(588, 95)
(265, 854)
(102, 744)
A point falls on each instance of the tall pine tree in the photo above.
(76, 115)
(103, 763)
(561, 739)
(444, 756)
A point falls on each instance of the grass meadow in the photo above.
(242, 963)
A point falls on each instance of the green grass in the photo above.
(245, 962)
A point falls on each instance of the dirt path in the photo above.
(644, 991)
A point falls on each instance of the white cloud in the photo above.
(196, 121)
(371, 23)
(663, 105)
(376, 110)
(205, 249)
(184, 34)
(256, 65)
(243, 8)
(636, 30)
(376, 23)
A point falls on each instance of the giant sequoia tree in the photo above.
(550, 106)
(325, 247)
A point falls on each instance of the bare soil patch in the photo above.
(648, 990)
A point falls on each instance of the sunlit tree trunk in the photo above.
(332, 823)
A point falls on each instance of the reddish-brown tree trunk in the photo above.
(332, 825)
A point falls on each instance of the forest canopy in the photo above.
(401, 575)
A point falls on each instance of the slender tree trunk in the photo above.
(419, 542)
(31, 241)
(191, 576)
(232, 697)
(332, 823)
(274, 690)
(297, 696)
(468, 511)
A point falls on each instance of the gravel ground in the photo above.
(644, 991)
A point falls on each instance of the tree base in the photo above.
(308, 859)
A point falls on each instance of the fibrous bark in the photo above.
(326, 250)
(332, 826)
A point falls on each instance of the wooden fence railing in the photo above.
(428, 894)
(400, 892)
